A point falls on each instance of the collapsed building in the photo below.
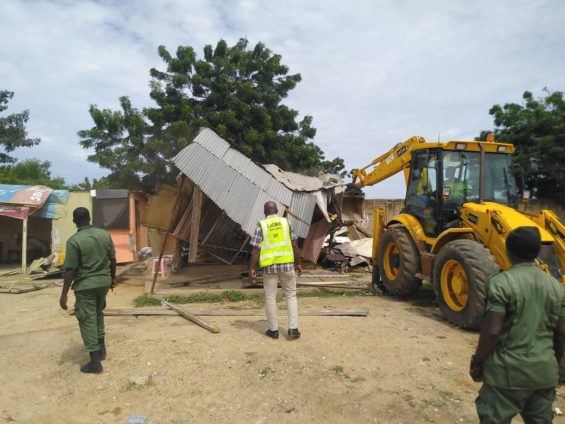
(222, 200)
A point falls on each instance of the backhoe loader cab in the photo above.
(441, 181)
(459, 209)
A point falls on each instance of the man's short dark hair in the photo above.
(524, 243)
(81, 215)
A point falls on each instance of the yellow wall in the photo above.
(64, 227)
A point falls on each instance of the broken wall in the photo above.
(392, 207)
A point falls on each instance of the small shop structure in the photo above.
(36, 222)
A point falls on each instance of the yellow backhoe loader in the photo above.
(459, 208)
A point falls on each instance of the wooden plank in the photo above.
(212, 279)
(219, 258)
(30, 283)
(343, 286)
(333, 275)
(191, 317)
(164, 244)
(46, 275)
(195, 224)
(20, 289)
(124, 269)
(322, 283)
(259, 283)
(10, 272)
(230, 313)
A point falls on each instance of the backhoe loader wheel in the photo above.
(399, 262)
(461, 272)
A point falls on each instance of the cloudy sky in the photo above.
(375, 72)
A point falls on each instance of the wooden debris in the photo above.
(123, 269)
(204, 280)
(324, 283)
(13, 271)
(230, 313)
(45, 275)
(332, 275)
(25, 284)
(191, 317)
(36, 265)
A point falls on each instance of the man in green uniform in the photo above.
(90, 267)
(522, 338)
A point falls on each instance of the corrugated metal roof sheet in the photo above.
(302, 205)
(239, 186)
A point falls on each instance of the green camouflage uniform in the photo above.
(521, 374)
(89, 253)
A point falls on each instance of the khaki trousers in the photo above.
(288, 284)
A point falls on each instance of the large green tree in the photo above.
(537, 129)
(30, 172)
(13, 132)
(235, 90)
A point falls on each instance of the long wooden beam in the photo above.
(195, 224)
(230, 313)
(191, 317)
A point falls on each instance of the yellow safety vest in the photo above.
(276, 244)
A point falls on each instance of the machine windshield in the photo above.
(461, 176)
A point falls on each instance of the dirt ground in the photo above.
(400, 364)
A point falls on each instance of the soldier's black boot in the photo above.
(94, 366)
(102, 348)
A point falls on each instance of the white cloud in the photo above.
(374, 72)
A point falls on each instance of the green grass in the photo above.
(446, 394)
(237, 296)
(337, 369)
(145, 300)
(264, 372)
(132, 386)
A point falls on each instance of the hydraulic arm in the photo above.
(392, 162)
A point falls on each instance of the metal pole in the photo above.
(481, 173)
(211, 230)
(24, 245)
(240, 249)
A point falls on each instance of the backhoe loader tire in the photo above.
(399, 262)
(465, 266)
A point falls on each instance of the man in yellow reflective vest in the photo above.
(275, 246)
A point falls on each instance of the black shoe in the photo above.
(102, 348)
(272, 334)
(293, 333)
(94, 366)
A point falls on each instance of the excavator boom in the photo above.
(392, 162)
(388, 164)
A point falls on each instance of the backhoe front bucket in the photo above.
(350, 205)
